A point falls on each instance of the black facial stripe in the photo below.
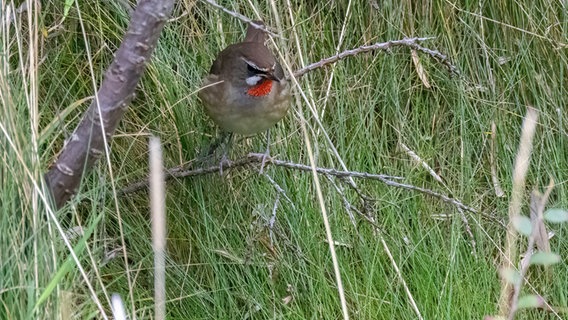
(253, 70)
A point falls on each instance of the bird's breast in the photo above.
(237, 110)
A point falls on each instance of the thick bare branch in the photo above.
(87, 143)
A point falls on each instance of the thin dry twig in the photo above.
(428, 192)
(385, 46)
(365, 199)
(242, 18)
(424, 164)
(364, 212)
(182, 172)
(469, 232)
(253, 158)
(349, 208)
(279, 189)
(256, 158)
(431, 171)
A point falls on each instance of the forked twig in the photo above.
(255, 158)
(385, 46)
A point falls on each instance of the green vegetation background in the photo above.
(223, 260)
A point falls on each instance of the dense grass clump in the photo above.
(250, 245)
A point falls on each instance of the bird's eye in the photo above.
(253, 71)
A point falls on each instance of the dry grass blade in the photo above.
(519, 173)
(492, 158)
(158, 210)
(420, 69)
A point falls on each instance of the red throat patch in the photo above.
(261, 89)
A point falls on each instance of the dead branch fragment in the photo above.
(88, 141)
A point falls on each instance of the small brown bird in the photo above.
(245, 91)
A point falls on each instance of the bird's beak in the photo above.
(271, 77)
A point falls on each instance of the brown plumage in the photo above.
(245, 91)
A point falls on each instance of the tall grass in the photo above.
(224, 259)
